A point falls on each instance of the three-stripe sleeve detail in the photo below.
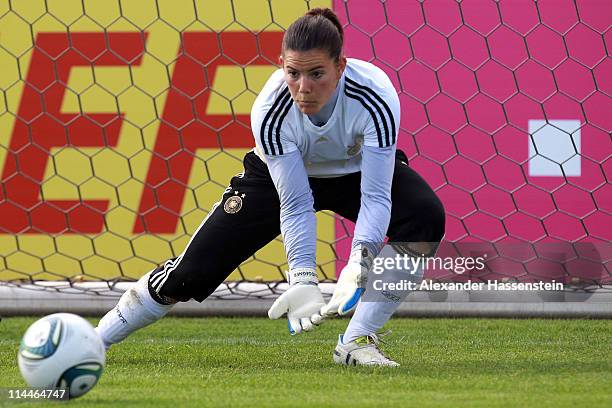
(273, 121)
(372, 114)
(375, 105)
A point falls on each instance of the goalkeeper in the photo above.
(325, 130)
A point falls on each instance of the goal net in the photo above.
(122, 122)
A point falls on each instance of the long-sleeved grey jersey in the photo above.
(360, 135)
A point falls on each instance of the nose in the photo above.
(305, 84)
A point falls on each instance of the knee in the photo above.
(427, 223)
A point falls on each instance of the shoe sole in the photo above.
(349, 361)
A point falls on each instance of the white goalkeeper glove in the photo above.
(302, 301)
(351, 283)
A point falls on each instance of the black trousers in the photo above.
(248, 217)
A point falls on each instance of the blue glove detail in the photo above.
(291, 331)
(353, 300)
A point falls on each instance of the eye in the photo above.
(317, 74)
(293, 74)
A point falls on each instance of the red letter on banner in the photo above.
(40, 126)
(185, 124)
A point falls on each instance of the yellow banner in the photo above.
(122, 123)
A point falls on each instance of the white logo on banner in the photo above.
(558, 147)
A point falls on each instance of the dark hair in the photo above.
(317, 29)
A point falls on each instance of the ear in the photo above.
(281, 62)
(341, 66)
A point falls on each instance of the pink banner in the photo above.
(506, 110)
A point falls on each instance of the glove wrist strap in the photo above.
(363, 255)
(299, 276)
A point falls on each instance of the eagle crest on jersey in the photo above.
(367, 112)
(356, 148)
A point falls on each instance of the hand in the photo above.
(352, 281)
(349, 289)
(302, 302)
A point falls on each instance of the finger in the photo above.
(306, 324)
(294, 326)
(330, 309)
(279, 307)
(351, 303)
(316, 319)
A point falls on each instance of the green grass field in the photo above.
(253, 362)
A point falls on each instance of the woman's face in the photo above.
(312, 77)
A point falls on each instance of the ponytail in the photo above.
(320, 29)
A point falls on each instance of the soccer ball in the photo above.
(62, 350)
